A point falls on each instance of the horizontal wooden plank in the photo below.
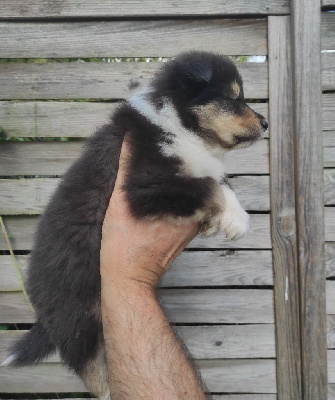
(245, 397)
(328, 3)
(204, 342)
(239, 376)
(240, 306)
(331, 366)
(328, 138)
(94, 80)
(328, 31)
(330, 224)
(30, 196)
(220, 376)
(64, 119)
(328, 71)
(53, 119)
(330, 259)
(218, 397)
(22, 230)
(11, 9)
(54, 158)
(132, 38)
(191, 268)
(328, 107)
(330, 289)
(329, 185)
(329, 149)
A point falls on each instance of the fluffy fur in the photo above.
(178, 129)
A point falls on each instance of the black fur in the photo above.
(63, 279)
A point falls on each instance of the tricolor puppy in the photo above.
(191, 114)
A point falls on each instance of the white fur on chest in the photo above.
(186, 145)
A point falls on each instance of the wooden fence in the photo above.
(254, 313)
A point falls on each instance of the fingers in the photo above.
(123, 164)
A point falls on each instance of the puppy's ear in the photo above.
(194, 78)
(199, 73)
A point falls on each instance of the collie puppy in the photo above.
(178, 129)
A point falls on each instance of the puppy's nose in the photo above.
(264, 124)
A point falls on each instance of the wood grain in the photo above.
(284, 239)
(309, 195)
(30, 196)
(98, 80)
(328, 71)
(11, 9)
(22, 231)
(328, 107)
(229, 306)
(132, 38)
(329, 186)
(328, 31)
(196, 268)
(191, 268)
(65, 119)
(329, 149)
(328, 3)
(204, 342)
(329, 216)
(242, 376)
(54, 158)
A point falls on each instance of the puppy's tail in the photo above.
(31, 348)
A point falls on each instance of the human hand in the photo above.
(138, 250)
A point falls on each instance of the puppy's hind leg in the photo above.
(95, 375)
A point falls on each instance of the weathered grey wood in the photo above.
(331, 366)
(54, 158)
(65, 119)
(11, 9)
(208, 268)
(204, 342)
(30, 196)
(309, 190)
(53, 119)
(328, 31)
(329, 188)
(192, 268)
(327, 3)
(328, 107)
(330, 259)
(22, 231)
(330, 290)
(239, 376)
(40, 379)
(232, 306)
(245, 397)
(220, 376)
(98, 80)
(329, 149)
(284, 240)
(329, 216)
(331, 332)
(328, 71)
(132, 38)
(331, 392)
(328, 139)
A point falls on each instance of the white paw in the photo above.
(235, 223)
(212, 227)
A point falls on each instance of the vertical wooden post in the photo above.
(283, 221)
(309, 194)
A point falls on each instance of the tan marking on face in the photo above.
(236, 89)
(227, 127)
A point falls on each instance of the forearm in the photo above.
(145, 360)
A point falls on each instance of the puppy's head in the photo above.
(207, 91)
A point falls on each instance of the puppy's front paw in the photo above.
(235, 223)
